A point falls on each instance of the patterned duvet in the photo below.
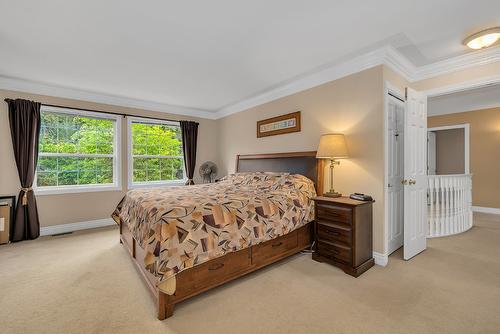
(181, 227)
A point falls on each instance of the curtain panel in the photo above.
(24, 120)
(189, 143)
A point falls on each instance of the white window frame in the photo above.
(117, 169)
(130, 160)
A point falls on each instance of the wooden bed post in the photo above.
(165, 307)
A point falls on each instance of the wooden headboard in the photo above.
(304, 163)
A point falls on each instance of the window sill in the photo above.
(74, 189)
(157, 184)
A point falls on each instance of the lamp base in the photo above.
(332, 194)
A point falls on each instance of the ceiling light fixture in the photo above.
(483, 39)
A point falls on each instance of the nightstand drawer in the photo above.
(334, 213)
(335, 252)
(334, 232)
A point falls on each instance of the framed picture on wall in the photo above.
(279, 125)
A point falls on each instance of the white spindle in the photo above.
(449, 204)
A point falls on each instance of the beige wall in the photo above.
(450, 151)
(484, 152)
(395, 80)
(352, 105)
(71, 208)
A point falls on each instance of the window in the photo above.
(78, 151)
(155, 152)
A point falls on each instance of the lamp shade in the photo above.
(332, 146)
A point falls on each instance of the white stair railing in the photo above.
(449, 200)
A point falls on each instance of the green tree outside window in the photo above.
(156, 152)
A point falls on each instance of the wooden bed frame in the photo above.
(208, 275)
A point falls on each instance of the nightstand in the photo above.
(343, 234)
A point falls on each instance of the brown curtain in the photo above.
(24, 119)
(189, 142)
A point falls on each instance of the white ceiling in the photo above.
(473, 99)
(211, 54)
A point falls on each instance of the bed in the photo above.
(187, 240)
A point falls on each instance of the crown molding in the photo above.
(308, 80)
(463, 86)
(458, 63)
(398, 63)
(387, 56)
(35, 87)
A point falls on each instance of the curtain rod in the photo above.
(110, 112)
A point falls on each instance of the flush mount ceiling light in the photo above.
(483, 39)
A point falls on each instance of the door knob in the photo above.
(412, 182)
(404, 182)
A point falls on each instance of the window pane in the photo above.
(48, 139)
(140, 175)
(172, 169)
(139, 149)
(67, 164)
(67, 178)
(47, 179)
(105, 131)
(64, 141)
(140, 163)
(153, 149)
(88, 177)
(104, 176)
(47, 164)
(71, 135)
(105, 164)
(87, 164)
(154, 170)
(156, 140)
(104, 149)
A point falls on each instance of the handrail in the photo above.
(449, 204)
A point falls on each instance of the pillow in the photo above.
(254, 178)
(273, 181)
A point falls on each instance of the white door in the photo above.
(395, 143)
(415, 174)
(431, 153)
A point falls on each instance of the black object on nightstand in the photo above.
(343, 233)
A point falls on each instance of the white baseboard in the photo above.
(482, 209)
(65, 228)
(380, 259)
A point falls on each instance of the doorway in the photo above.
(395, 170)
(448, 150)
(405, 171)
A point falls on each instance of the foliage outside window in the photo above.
(75, 150)
(156, 152)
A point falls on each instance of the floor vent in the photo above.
(59, 234)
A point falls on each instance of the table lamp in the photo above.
(333, 147)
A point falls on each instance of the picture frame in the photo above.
(279, 125)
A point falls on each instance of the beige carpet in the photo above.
(86, 283)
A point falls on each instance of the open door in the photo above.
(395, 171)
(415, 174)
